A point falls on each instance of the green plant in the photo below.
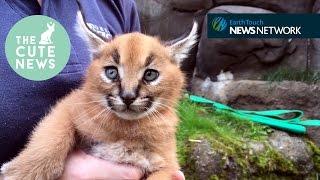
(282, 74)
(200, 121)
(230, 136)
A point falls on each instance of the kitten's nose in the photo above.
(128, 98)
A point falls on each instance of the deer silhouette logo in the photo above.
(46, 36)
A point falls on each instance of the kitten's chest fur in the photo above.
(141, 144)
(122, 152)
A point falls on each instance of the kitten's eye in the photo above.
(111, 72)
(150, 75)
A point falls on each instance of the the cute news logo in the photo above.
(219, 24)
(37, 48)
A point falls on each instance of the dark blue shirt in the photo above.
(23, 102)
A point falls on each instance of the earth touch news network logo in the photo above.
(263, 26)
(219, 24)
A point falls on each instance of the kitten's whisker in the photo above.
(176, 104)
(165, 106)
(156, 113)
(160, 117)
(93, 108)
(171, 102)
(90, 102)
(171, 111)
(86, 113)
(96, 129)
(90, 92)
(100, 123)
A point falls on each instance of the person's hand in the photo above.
(178, 176)
(81, 166)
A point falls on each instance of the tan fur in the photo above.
(148, 142)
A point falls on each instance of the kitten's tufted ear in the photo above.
(94, 41)
(179, 48)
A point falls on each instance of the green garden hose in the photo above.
(272, 118)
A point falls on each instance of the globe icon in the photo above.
(219, 24)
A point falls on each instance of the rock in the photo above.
(316, 7)
(246, 58)
(315, 54)
(160, 18)
(279, 6)
(151, 9)
(314, 135)
(192, 5)
(240, 9)
(262, 95)
(154, 8)
(209, 162)
(205, 160)
(315, 45)
(256, 147)
(293, 148)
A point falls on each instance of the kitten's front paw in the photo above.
(4, 168)
(15, 170)
(6, 172)
(21, 169)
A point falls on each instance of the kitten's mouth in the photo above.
(138, 109)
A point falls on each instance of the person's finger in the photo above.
(117, 171)
(108, 169)
(84, 166)
(178, 176)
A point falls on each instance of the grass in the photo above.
(229, 136)
(221, 129)
(201, 121)
(316, 156)
(283, 74)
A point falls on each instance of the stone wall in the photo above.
(245, 58)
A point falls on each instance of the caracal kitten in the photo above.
(123, 112)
